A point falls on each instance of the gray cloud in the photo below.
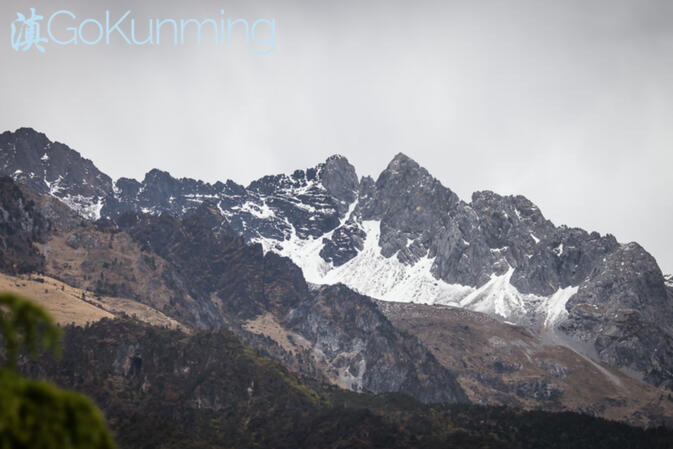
(567, 102)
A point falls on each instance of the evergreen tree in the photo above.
(36, 414)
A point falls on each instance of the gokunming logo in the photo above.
(63, 28)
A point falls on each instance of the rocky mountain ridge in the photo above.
(406, 237)
(199, 273)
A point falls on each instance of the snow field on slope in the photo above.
(372, 274)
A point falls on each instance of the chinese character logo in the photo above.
(26, 32)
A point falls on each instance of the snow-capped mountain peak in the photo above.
(404, 237)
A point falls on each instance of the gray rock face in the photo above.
(545, 257)
(309, 202)
(468, 241)
(368, 352)
(420, 217)
(339, 179)
(625, 312)
(31, 159)
(539, 389)
(344, 244)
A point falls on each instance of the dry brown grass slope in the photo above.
(499, 363)
(71, 305)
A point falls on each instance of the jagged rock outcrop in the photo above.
(33, 160)
(366, 351)
(625, 313)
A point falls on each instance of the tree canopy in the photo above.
(36, 414)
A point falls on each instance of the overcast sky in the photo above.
(567, 102)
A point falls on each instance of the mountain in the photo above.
(405, 237)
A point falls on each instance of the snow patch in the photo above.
(116, 191)
(554, 307)
(54, 186)
(370, 273)
(668, 280)
(386, 278)
(498, 297)
(88, 207)
(259, 211)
